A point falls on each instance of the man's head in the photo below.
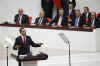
(61, 12)
(22, 31)
(77, 12)
(86, 9)
(20, 11)
(70, 6)
(42, 14)
(93, 15)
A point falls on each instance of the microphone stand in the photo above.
(65, 39)
(7, 54)
(69, 54)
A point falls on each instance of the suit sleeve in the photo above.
(45, 21)
(15, 19)
(27, 19)
(36, 21)
(16, 43)
(54, 20)
(33, 44)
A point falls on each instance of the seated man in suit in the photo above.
(60, 19)
(70, 13)
(78, 21)
(93, 21)
(23, 43)
(21, 18)
(86, 15)
(41, 20)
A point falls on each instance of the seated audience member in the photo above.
(21, 18)
(86, 15)
(41, 20)
(93, 21)
(70, 13)
(60, 19)
(78, 21)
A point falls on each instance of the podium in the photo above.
(30, 60)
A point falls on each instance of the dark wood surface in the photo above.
(50, 27)
(41, 56)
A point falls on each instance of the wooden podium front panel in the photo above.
(29, 63)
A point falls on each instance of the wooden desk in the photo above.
(30, 60)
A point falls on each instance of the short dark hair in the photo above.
(21, 29)
(86, 8)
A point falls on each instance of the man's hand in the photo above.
(17, 46)
(41, 44)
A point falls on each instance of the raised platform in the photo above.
(77, 59)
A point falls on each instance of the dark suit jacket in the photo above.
(96, 23)
(72, 15)
(63, 23)
(84, 15)
(81, 22)
(44, 21)
(24, 50)
(25, 19)
(65, 3)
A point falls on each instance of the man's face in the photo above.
(42, 14)
(70, 6)
(61, 12)
(77, 13)
(85, 10)
(23, 32)
(93, 15)
(20, 11)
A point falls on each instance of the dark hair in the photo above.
(21, 29)
(87, 8)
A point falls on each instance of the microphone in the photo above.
(64, 38)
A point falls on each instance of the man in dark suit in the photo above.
(86, 15)
(47, 6)
(78, 21)
(21, 18)
(93, 21)
(64, 3)
(60, 19)
(41, 20)
(23, 43)
(70, 13)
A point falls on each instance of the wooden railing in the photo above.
(50, 27)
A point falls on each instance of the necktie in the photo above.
(70, 12)
(59, 21)
(24, 41)
(92, 21)
(19, 19)
(40, 21)
(76, 22)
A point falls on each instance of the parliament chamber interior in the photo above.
(68, 39)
